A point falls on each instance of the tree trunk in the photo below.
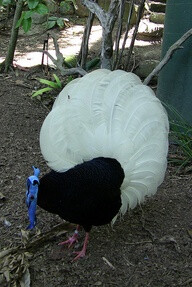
(107, 20)
(85, 41)
(13, 39)
(106, 49)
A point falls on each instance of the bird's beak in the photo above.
(32, 206)
(31, 197)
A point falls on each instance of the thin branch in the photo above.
(58, 62)
(119, 31)
(97, 10)
(111, 14)
(73, 71)
(35, 242)
(139, 16)
(85, 41)
(66, 72)
(59, 55)
(126, 32)
(168, 55)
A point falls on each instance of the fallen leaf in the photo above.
(2, 196)
(7, 223)
(24, 236)
(25, 279)
(109, 263)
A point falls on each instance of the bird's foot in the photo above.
(80, 254)
(71, 240)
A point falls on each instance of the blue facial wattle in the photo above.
(31, 197)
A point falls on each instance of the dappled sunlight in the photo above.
(69, 41)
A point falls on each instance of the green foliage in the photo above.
(92, 64)
(55, 21)
(181, 134)
(6, 2)
(66, 4)
(51, 85)
(34, 6)
(69, 79)
(70, 61)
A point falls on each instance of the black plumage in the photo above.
(88, 194)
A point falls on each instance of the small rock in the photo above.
(38, 18)
(145, 68)
(158, 18)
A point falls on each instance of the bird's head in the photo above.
(31, 197)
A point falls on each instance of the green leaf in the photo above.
(41, 9)
(5, 2)
(26, 24)
(57, 80)
(48, 83)
(50, 24)
(19, 22)
(41, 91)
(32, 4)
(65, 5)
(60, 22)
(27, 14)
(69, 79)
(52, 18)
(92, 63)
(70, 61)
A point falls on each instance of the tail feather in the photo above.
(110, 114)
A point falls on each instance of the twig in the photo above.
(58, 62)
(55, 231)
(37, 242)
(85, 41)
(168, 55)
(95, 9)
(126, 32)
(119, 31)
(139, 16)
(139, 242)
(109, 263)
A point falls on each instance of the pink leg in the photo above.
(72, 239)
(81, 253)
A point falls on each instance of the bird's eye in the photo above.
(31, 197)
(35, 182)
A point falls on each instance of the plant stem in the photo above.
(168, 55)
(14, 36)
(139, 16)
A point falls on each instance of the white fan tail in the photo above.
(110, 114)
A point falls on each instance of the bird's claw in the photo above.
(70, 241)
(80, 254)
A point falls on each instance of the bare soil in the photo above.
(150, 246)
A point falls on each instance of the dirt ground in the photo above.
(151, 246)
